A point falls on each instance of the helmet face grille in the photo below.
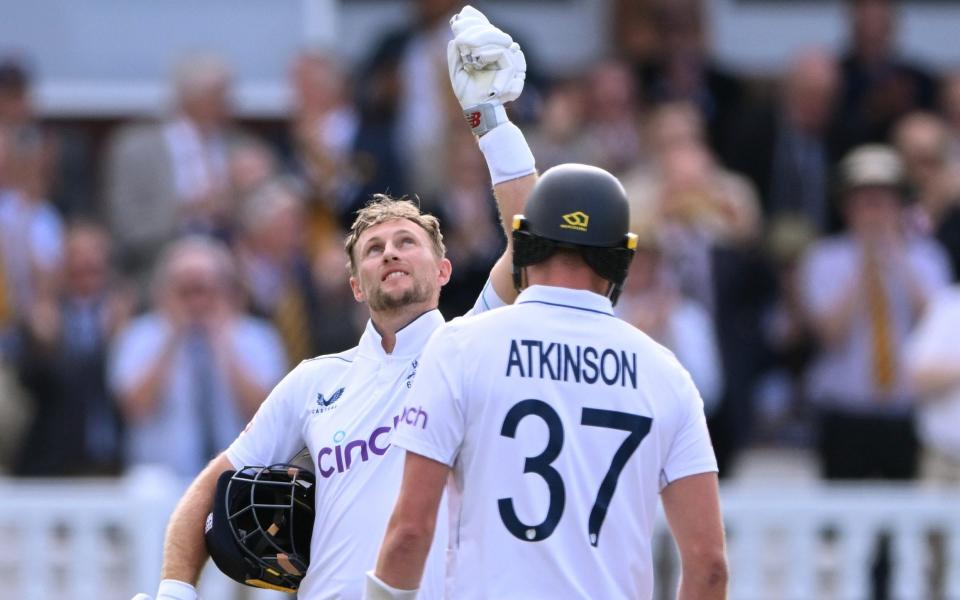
(269, 512)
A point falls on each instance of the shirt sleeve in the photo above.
(487, 300)
(822, 265)
(46, 239)
(437, 394)
(690, 452)
(932, 339)
(274, 434)
(261, 351)
(136, 349)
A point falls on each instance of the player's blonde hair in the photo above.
(383, 208)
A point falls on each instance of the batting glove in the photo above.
(487, 69)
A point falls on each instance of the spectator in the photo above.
(173, 177)
(707, 220)
(681, 69)
(934, 177)
(560, 135)
(933, 363)
(68, 148)
(408, 75)
(881, 279)
(275, 269)
(690, 199)
(857, 380)
(31, 231)
(191, 372)
(879, 86)
(612, 116)
(785, 147)
(651, 302)
(950, 108)
(76, 428)
(327, 147)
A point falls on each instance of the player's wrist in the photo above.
(507, 153)
(376, 589)
(484, 117)
(173, 589)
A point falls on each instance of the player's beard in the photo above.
(382, 301)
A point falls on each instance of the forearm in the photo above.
(513, 173)
(141, 399)
(705, 582)
(185, 552)
(403, 556)
(249, 392)
(934, 379)
(834, 324)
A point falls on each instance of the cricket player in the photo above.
(561, 425)
(343, 408)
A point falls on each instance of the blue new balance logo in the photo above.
(325, 404)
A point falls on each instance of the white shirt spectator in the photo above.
(933, 345)
(175, 434)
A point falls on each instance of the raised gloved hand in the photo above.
(487, 69)
(171, 589)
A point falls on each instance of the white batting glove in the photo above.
(171, 589)
(487, 69)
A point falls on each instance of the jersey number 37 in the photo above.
(637, 427)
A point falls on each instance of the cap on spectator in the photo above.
(871, 165)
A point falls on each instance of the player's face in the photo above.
(397, 267)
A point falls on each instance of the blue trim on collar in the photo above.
(599, 312)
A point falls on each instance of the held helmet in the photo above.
(582, 208)
(259, 531)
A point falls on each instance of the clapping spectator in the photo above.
(189, 373)
(76, 428)
(864, 291)
(651, 302)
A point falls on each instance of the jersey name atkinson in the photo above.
(564, 362)
(561, 424)
(344, 408)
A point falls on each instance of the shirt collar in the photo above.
(560, 296)
(410, 339)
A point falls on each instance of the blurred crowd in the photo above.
(800, 239)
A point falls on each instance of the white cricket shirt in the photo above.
(344, 408)
(562, 424)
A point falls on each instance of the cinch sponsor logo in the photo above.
(578, 221)
(340, 457)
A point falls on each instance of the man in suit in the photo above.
(171, 177)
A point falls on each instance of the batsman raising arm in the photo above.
(342, 408)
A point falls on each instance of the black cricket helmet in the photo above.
(259, 531)
(579, 207)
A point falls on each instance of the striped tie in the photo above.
(290, 318)
(878, 306)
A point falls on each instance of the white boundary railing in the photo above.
(102, 540)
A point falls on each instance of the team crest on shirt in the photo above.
(325, 404)
(413, 372)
